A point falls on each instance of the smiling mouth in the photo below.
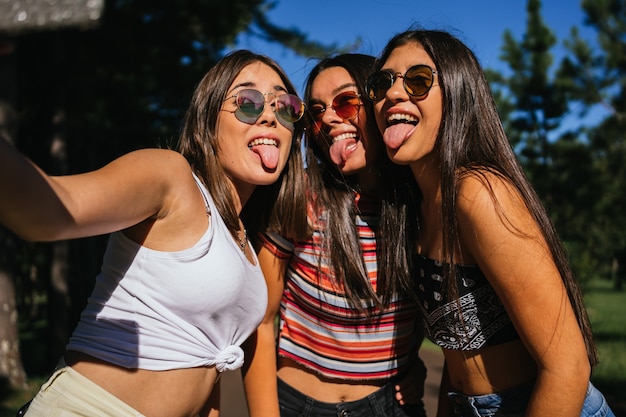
(344, 136)
(398, 118)
(263, 141)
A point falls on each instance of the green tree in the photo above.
(597, 77)
(538, 104)
(534, 101)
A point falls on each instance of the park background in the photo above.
(75, 94)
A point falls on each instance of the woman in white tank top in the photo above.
(180, 288)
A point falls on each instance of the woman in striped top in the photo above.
(349, 328)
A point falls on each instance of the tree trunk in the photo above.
(11, 369)
(58, 301)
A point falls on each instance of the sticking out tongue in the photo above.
(268, 154)
(341, 149)
(395, 135)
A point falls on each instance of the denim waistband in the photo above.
(513, 403)
(381, 394)
(509, 403)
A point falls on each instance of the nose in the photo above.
(330, 115)
(269, 109)
(397, 91)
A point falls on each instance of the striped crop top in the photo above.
(321, 331)
(484, 322)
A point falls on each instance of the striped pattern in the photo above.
(320, 330)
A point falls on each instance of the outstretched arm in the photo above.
(129, 190)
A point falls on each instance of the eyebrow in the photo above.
(336, 91)
(252, 84)
(346, 85)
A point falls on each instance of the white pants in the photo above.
(67, 393)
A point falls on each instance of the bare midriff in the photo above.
(172, 393)
(320, 388)
(491, 369)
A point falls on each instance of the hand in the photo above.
(410, 389)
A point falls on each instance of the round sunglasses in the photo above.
(251, 103)
(345, 105)
(417, 81)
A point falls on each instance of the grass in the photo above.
(607, 310)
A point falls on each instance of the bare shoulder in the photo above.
(493, 217)
(153, 160)
(162, 171)
(179, 217)
(486, 193)
(166, 170)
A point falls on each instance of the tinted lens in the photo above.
(250, 104)
(377, 84)
(289, 108)
(418, 80)
(346, 105)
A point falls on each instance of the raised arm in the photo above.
(259, 371)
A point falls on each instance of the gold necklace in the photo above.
(242, 241)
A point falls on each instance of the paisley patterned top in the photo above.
(474, 320)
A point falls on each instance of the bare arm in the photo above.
(410, 390)
(505, 241)
(259, 373)
(138, 186)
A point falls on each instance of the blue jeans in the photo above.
(512, 403)
(381, 403)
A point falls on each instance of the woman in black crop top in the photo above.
(495, 287)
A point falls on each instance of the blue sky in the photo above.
(479, 23)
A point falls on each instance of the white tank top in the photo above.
(172, 310)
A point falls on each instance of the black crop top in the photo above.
(485, 321)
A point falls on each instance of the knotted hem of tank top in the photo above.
(229, 359)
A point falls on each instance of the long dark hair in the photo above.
(269, 204)
(334, 195)
(472, 141)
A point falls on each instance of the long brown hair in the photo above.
(269, 204)
(471, 140)
(335, 194)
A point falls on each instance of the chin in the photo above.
(269, 179)
(351, 169)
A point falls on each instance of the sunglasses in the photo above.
(346, 105)
(417, 81)
(251, 103)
